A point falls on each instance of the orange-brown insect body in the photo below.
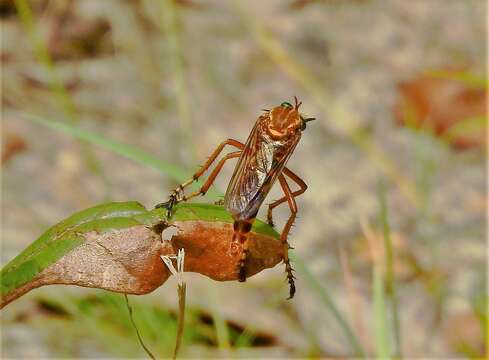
(261, 162)
(269, 146)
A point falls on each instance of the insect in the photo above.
(262, 161)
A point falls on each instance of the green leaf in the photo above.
(130, 152)
(104, 211)
(208, 212)
(63, 237)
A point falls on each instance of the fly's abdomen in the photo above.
(242, 229)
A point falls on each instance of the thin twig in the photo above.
(129, 308)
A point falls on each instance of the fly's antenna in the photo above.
(297, 103)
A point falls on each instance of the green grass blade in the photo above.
(130, 152)
(220, 326)
(380, 315)
(323, 295)
(177, 173)
(389, 262)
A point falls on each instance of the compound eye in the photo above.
(286, 104)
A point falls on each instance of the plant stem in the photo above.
(380, 321)
(182, 292)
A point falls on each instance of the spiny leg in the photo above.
(176, 195)
(212, 176)
(285, 233)
(298, 181)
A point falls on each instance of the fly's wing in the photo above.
(257, 170)
(244, 179)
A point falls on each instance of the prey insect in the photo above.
(261, 163)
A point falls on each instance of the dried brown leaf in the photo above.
(128, 260)
(438, 103)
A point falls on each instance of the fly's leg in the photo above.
(298, 181)
(290, 198)
(177, 195)
(211, 177)
(285, 232)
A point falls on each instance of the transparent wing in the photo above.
(257, 170)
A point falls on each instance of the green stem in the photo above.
(380, 322)
(222, 333)
(389, 261)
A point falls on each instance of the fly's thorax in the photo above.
(273, 139)
(283, 122)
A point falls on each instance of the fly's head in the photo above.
(285, 120)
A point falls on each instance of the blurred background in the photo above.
(390, 238)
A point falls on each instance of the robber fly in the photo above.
(261, 162)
